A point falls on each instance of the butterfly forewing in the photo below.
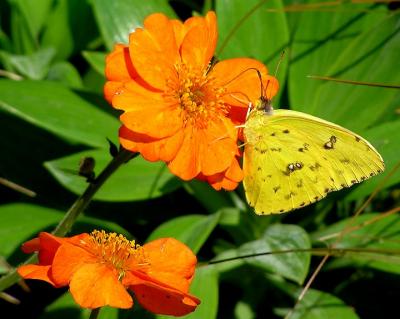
(292, 159)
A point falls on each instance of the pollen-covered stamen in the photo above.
(116, 251)
(198, 95)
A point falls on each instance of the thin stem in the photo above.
(83, 201)
(76, 209)
(94, 313)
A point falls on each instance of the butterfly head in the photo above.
(264, 104)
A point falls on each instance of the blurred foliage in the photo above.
(53, 113)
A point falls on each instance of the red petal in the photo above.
(164, 301)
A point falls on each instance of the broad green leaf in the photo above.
(370, 58)
(263, 35)
(97, 60)
(35, 13)
(23, 41)
(193, 230)
(21, 222)
(292, 265)
(318, 41)
(136, 180)
(70, 27)
(34, 66)
(58, 24)
(372, 231)
(65, 73)
(386, 139)
(56, 109)
(116, 19)
(204, 287)
(65, 308)
(319, 305)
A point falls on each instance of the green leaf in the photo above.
(97, 60)
(136, 180)
(65, 73)
(264, 34)
(374, 231)
(116, 19)
(23, 41)
(370, 58)
(56, 109)
(193, 230)
(34, 66)
(21, 222)
(58, 24)
(204, 287)
(319, 305)
(35, 13)
(65, 308)
(386, 139)
(292, 265)
(318, 40)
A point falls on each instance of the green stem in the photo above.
(94, 313)
(76, 209)
(83, 201)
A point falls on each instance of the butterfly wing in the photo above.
(293, 159)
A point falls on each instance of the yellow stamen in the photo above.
(198, 94)
(117, 251)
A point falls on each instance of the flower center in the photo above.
(198, 95)
(115, 250)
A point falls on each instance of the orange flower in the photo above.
(99, 267)
(176, 106)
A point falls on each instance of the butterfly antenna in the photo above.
(279, 63)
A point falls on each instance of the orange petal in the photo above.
(67, 260)
(172, 263)
(119, 67)
(157, 123)
(133, 96)
(36, 272)
(96, 285)
(271, 85)
(110, 89)
(205, 150)
(151, 149)
(179, 31)
(239, 77)
(153, 50)
(164, 301)
(227, 180)
(198, 45)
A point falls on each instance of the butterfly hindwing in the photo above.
(292, 159)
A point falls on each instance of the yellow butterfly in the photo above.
(292, 159)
